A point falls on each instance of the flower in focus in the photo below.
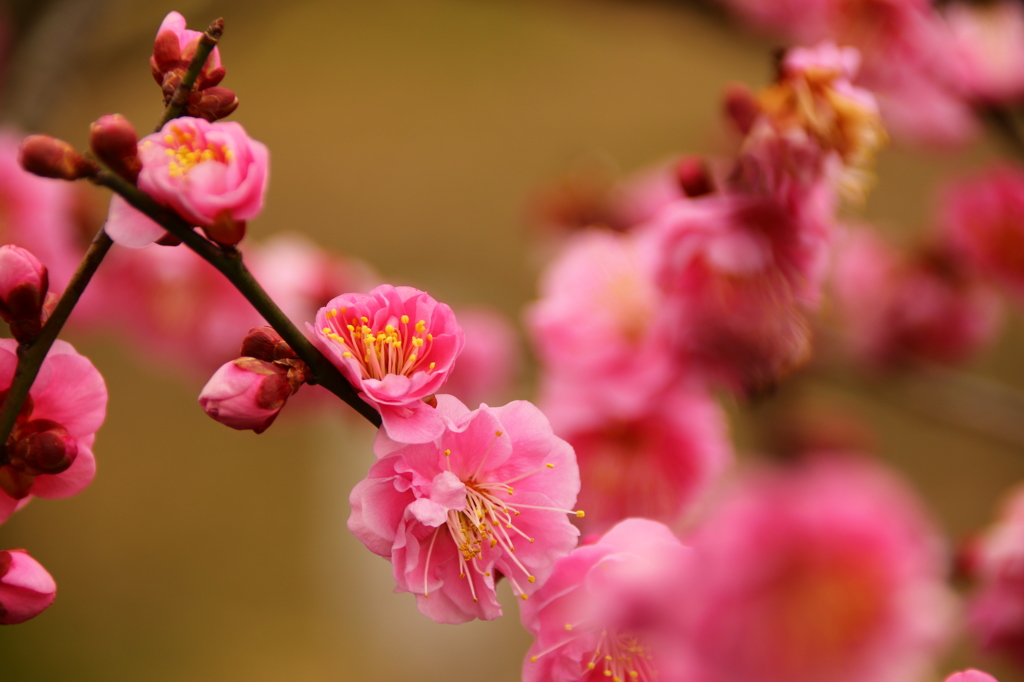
(607, 610)
(49, 451)
(26, 589)
(23, 285)
(397, 346)
(983, 218)
(996, 615)
(248, 393)
(898, 309)
(173, 49)
(657, 465)
(213, 174)
(989, 42)
(488, 498)
(825, 571)
(490, 359)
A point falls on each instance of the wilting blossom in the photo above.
(487, 499)
(607, 611)
(997, 607)
(989, 42)
(49, 451)
(970, 676)
(213, 174)
(23, 285)
(827, 570)
(898, 309)
(397, 346)
(599, 321)
(489, 360)
(26, 589)
(983, 218)
(657, 465)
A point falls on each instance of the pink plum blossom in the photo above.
(826, 570)
(173, 49)
(970, 676)
(26, 589)
(983, 219)
(598, 321)
(607, 611)
(657, 465)
(246, 393)
(900, 308)
(23, 285)
(397, 346)
(989, 41)
(213, 174)
(49, 451)
(996, 616)
(486, 499)
(490, 359)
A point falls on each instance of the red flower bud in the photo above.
(212, 103)
(263, 343)
(693, 177)
(114, 142)
(41, 446)
(52, 158)
(23, 285)
(225, 230)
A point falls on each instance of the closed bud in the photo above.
(114, 142)
(166, 54)
(212, 103)
(26, 589)
(23, 285)
(246, 394)
(693, 177)
(263, 343)
(225, 230)
(41, 446)
(52, 158)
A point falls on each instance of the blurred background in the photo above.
(409, 134)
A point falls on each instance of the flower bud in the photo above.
(225, 230)
(26, 589)
(23, 285)
(41, 446)
(693, 177)
(246, 393)
(212, 103)
(52, 158)
(263, 343)
(114, 142)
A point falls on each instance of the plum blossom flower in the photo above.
(488, 498)
(397, 346)
(606, 612)
(49, 451)
(982, 219)
(996, 616)
(897, 309)
(246, 393)
(26, 589)
(824, 571)
(213, 174)
(173, 49)
(989, 41)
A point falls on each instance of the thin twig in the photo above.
(178, 101)
(229, 263)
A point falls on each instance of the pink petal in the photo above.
(129, 227)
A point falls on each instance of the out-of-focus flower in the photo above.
(970, 676)
(49, 451)
(489, 497)
(989, 42)
(26, 589)
(827, 570)
(23, 285)
(896, 309)
(983, 218)
(656, 466)
(397, 346)
(599, 322)
(607, 610)
(997, 608)
(213, 174)
(490, 359)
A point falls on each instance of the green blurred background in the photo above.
(409, 133)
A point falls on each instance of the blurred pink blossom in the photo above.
(970, 676)
(827, 570)
(397, 346)
(608, 610)
(899, 308)
(50, 447)
(213, 174)
(23, 286)
(983, 219)
(989, 43)
(26, 589)
(487, 499)
(490, 359)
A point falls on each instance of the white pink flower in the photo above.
(397, 346)
(26, 589)
(487, 499)
(608, 610)
(49, 451)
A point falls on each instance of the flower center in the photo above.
(187, 149)
(618, 656)
(398, 348)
